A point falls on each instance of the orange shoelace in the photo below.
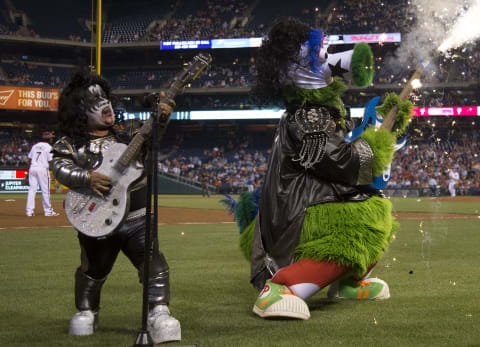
(363, 284)
(286, 292)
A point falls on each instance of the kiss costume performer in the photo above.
(87, 127)
(318, 223)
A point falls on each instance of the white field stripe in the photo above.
(199, 223)
(69, 226)
(437, 217)
(38, 227)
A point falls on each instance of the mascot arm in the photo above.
(69, 174)
(344, 163)
(64, 168)
(381, 141)
(404, 114)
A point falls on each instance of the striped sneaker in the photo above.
(277, 300)
(53, 214)
(369, 289)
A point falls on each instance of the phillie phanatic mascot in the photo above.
(317, 221)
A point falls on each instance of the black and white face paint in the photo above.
(98, 109)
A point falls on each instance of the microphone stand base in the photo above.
(143, 339)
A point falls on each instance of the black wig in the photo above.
(277, 52)
(71, 116)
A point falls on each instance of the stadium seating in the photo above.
(226, 83)
(46, 20)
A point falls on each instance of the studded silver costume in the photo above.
(71, 167)
(63, 167)
(85, 112)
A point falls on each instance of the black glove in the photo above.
(25, 181)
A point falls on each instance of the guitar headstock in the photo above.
(194, 68)
(190, 72)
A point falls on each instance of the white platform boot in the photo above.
(83, 323)
(161, 326)
(87, 301)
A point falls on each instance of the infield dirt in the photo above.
(12, 215)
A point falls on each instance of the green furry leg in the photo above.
(246, 240)
(354, 234)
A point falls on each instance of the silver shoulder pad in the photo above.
(63, 146)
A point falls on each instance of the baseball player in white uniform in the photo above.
(453, 179)
(38, 175)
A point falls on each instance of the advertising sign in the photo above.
(257, 41)
(12, 174)
(446, 111)
(372, 38)
(11, 181)
(29, 99)
(355, 112)
(13, 186)
(452, 111)
(237, 43)
(189, 44)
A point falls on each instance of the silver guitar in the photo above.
(98, 216)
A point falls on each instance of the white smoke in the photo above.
(439, 23)
(444, 24)
(465, 30)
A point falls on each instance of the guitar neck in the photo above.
(389, 120)
(175, 89)
(139, 139)
(196, 66)
(135, 145)
(185, 76)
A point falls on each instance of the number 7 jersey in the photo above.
(40, 155)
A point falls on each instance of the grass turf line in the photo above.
(431, 267)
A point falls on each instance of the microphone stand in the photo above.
(151, 166)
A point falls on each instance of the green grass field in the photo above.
(433, 269)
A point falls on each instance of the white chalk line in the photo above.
(70, 227)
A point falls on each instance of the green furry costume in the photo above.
(322, 210)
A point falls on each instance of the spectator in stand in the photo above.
(236, 164)
(205, 191)
(432, 183)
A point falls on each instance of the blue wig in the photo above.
(314, 44)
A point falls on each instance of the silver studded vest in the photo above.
(314, 125)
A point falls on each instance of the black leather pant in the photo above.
(99, 255)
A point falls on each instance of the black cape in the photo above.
(290, 188)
